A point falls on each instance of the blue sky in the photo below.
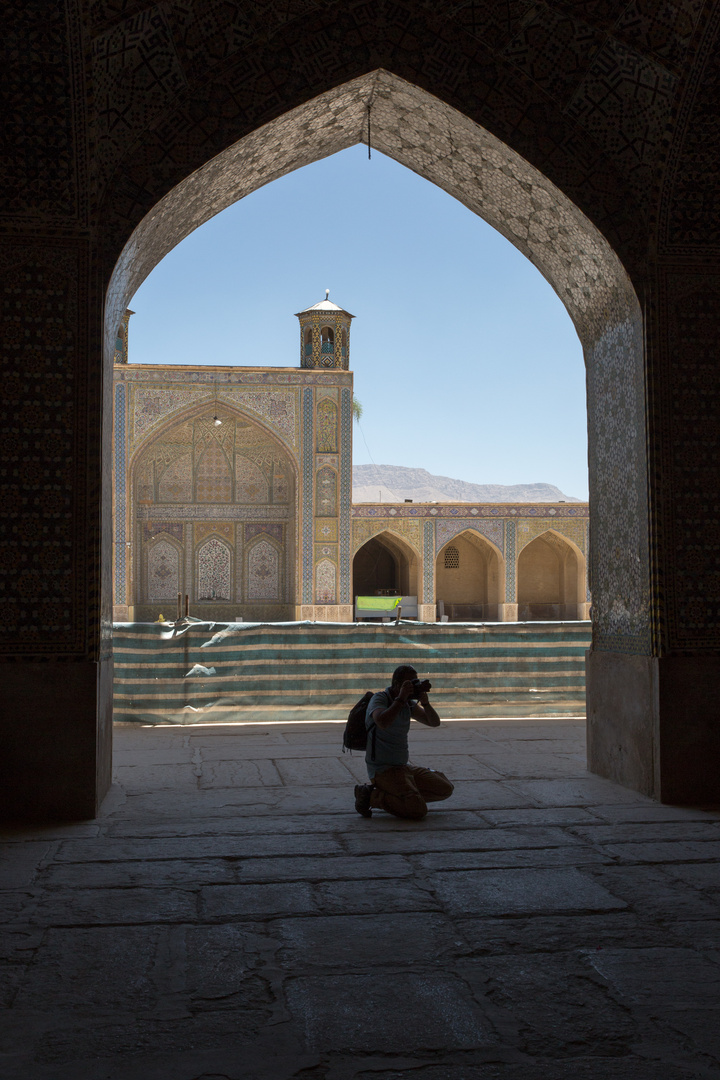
(465, 361)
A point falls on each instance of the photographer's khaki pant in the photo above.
(405, 790)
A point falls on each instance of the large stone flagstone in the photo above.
(230, 917)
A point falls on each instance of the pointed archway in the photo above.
(551, 580)
(223, 562)
(469, 579)
(385, 563)
(447, 148)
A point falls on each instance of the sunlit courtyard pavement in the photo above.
(230, 917)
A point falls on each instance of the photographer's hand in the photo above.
(423, 711)
(384, 717)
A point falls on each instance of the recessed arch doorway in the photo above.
(468, 578)
(550, 579)
(225, 536)
(385, 563)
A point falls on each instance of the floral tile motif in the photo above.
(263, 572)
(326, 492)
(214, 560)
(163, 571)
(153, 406)
(326, 433)
(325, 582)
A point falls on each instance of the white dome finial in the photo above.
(327, 294)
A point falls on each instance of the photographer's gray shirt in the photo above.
(391, 744)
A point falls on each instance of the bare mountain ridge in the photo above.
(393, 483)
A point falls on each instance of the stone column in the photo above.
(508, 612)
(653, 715)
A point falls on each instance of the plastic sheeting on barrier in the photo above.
(194, 672)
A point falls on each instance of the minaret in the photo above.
(325, 335)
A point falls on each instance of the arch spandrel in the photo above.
(406, 531)
(181, 421)
(483, 542)
(571, 532)
(152, 409)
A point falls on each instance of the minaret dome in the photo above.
(325, 335)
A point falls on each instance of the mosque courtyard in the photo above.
(230, 917)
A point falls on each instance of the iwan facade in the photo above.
(232, 487)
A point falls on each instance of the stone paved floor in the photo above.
(230, 917)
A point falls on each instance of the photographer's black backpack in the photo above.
(355, 734)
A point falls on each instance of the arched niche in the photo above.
(469, 578)
(263, 571)
(163, 570)
(192, 477)
(214, 570)
(550, 579)
(486, 175)
(385, 562)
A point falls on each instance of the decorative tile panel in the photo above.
(251, 484)
(213, 483)
(214, 562)
(428, 563)
(263, 572)
(224, 529)
(163, 571)
(411, 531)
(326, 492)
(151, 407)
(120, 467)
(346, 434)
(307, 497)
(326, 531)
(222, 512)
(176, 483)
(268, 528)
(470, 510)
(278, 408)
(325, 582)
(326, 433)
(510, 563)
(150, 530)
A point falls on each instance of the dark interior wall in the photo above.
(108, 108)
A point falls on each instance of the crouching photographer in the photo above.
(395, 785)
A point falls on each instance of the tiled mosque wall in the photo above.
(218, 511)
(498, 531)
(251, 517)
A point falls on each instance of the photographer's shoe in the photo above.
(362, 799)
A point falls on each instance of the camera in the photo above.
(421, 685)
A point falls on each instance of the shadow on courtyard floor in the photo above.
(230, 917)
